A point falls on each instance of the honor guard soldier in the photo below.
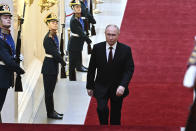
(51, 64)
(189, 82)
(86, 16)
(87, 19)
(7, 51)
(77, 39)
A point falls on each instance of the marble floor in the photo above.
(71, 97)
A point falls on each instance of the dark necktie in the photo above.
(110, 55)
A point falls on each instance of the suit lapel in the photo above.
(117, 52)
(104, 52)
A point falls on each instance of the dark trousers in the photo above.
(191, 122)
(115, 110)
(49, 86)
(74, 62)
(3, 93)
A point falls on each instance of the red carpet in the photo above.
(52, 127)
(161, 34)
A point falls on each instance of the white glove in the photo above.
(190, 76)
(21, 57)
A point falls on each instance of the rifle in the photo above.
(18, 83)
(88, 41)
(93, 32)
(86, 23)
(89, 48)
(63, 72)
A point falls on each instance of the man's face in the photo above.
(53, 25)
(6, 21)
(111, 34)
(77, 9)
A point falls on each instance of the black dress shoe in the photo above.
(82, 69)
(54, 115)
(72, 78)
(58, 113)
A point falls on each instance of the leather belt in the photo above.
(2, 63)
(48, 55)
(73, 34)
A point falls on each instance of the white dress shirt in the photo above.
(108, 50)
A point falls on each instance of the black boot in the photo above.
(72, 75)
(58, 113)
(79, 66)
(54, 115)
(82, 69)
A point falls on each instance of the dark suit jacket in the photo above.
(7, 70)
(76, 43)
(50, 65)
(110, 76)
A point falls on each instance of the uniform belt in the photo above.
(2, 63)
(73, 34)
(48, 55)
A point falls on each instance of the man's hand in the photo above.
(120, 91)
(90, 92)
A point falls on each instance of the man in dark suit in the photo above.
(7, 51)
(51, 65)
(77, 39)
(113, 64)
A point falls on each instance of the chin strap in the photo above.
(5, 30)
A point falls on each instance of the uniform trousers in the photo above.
(191, 122)
(3, 93)
(49, 86)
(74, 61)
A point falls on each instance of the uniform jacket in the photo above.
(86, 13)
(109, 76)
(7, 70)
(50, 65)
(76, 43)
(192, 59)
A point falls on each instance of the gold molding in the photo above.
(47, 4)
(29, 2)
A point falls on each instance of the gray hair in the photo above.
(113, 26)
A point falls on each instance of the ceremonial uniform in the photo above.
(50, 69)
(7, 63)
(85, 20)
(86, 14)
(75, 44)
(191, 122)
(192, 59)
